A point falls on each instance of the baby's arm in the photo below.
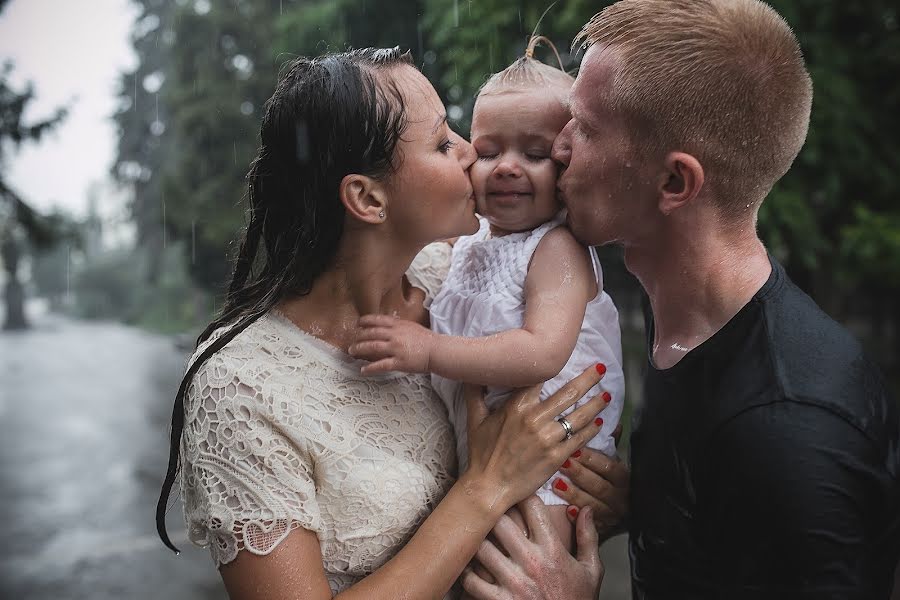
(558, 286)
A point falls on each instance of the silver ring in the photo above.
(567, 427)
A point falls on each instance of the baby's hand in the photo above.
(392, 344)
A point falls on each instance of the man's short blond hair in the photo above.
(723, 80)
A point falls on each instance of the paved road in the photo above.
(84, 409)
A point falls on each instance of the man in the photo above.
(766, 460)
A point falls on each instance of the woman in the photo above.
(305, 478)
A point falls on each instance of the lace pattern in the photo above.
(282, 432)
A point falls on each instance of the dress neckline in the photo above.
(340, 359)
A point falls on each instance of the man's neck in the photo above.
(696, 283)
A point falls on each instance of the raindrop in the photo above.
(243, 65)
(430, 57)
(454, 112)
(419, 35)
(152, 82)
(456, 13)
(68, 270)
(193, 241)
(201, 7)
(234, 149)
(157, 127)
(165, 234)
(246, 108)
(145, 26)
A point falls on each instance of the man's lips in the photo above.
(560, 195)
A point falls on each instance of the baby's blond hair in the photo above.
(723, 80)
(528, 72)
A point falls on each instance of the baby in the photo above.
(523, 302)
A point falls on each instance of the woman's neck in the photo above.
(365, 277)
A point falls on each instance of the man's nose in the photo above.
(561, 152)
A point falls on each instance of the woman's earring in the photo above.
(381, 215)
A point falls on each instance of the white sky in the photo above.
(68, 49)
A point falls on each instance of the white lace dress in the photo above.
(281, 431)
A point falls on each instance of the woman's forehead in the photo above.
(420, 99)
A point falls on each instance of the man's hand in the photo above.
(392, 344)
(538, 567)
(601, 482)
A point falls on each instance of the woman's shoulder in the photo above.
(429, 268)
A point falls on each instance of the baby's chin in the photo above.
(509, 224)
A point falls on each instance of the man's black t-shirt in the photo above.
(766, 463)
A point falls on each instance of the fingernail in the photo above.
(598, 422)
(601, 369)
(576, 454)
(567, 464)
(606, 397)
(561, 485)
(573, 511)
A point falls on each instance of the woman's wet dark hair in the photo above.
(329, 117)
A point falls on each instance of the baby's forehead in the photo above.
(521, 110)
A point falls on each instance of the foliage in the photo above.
(832, 220)
(13, 132)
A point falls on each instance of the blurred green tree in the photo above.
(19, 222)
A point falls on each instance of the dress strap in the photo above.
(598, 270)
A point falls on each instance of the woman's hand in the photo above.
(538, 567)
(600, 482)
(517, 448)
(392, 344)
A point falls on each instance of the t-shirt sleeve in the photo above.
(245, 484)
(429, 269)
(796, 497)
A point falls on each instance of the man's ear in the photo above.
(681, 183)
(364, 198)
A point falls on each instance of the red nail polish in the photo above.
(567, 464)
(576, 454)
(606, 397)
(573, 511)
(561, 485)
(598, 422)
(601, 369)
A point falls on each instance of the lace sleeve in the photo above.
(429, 269)
(245, 485)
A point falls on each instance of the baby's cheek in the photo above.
(479, 173)
(547, 176)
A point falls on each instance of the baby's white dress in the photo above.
(484, 294)
(281, 431)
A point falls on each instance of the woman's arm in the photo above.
(558, 286)
(512, 452)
